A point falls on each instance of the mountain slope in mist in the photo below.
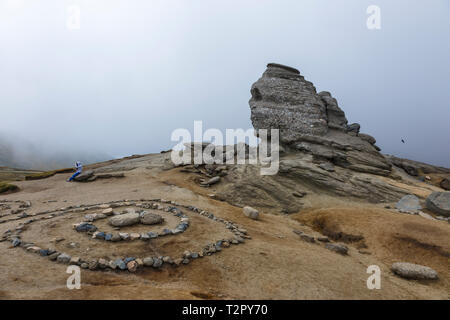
(18, 153)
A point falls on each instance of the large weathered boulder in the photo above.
(312, 122)
(409, 204)
(439, 203)
(124, 220)
(413, 271)
(150, 218)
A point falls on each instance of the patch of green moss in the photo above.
(40, 175)
(65, 170)
(7, 187)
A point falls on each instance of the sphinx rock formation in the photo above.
(322, 153)
(312, 122)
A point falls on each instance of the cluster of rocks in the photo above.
(132, 264)
(211, 173)
(14, 207)
(90, 175)
(336, 247)
(436, 202)
(128, 218)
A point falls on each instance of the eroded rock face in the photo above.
(312, 122)
(283, 99)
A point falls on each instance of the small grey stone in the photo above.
(148, 262)
(63, 258)
(157, 262)
(414, 271)
(251, 213)
(336, 247)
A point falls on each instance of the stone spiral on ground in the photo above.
(129, 263)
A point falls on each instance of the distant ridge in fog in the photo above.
(18, 153)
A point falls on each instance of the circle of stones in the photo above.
(127, 263)
(91, 229)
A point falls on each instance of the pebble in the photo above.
(132, 266)
(124, 236)
(16, 242)
(63, 258)
(102, 263)
(93, 264)
(157, 262)
(116, 237)
(139, 262)
(148, 262)
(53, 256)
(336, 247)
(307, 238)
(121, 264)
(167, 259)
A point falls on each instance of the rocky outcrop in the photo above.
(312, 122)
(415, 168)
(445, 184)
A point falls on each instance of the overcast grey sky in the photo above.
(136, 70)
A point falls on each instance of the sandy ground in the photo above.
(274, 264)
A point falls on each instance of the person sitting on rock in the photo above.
(79, 168)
